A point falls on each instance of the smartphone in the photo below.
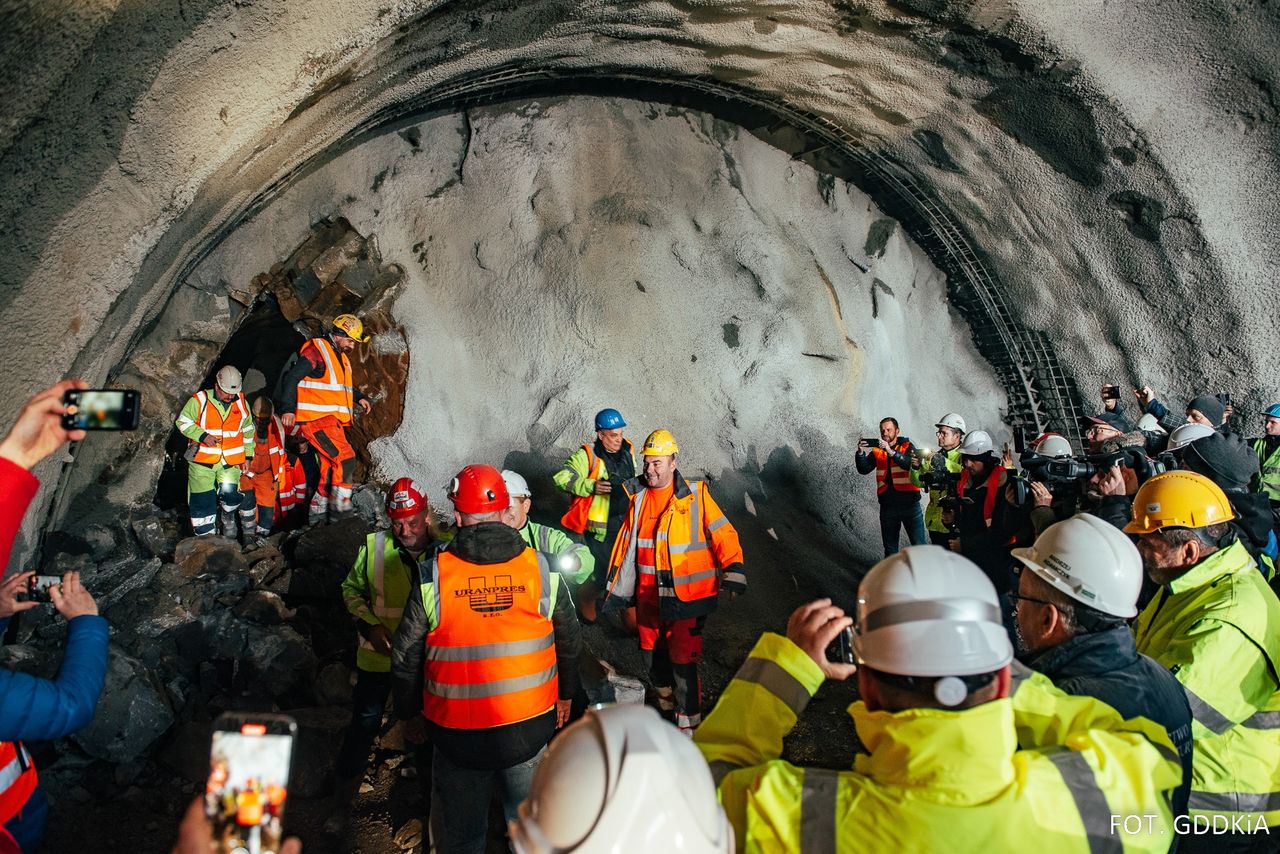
(871, 443)
(841, 649)
(249, 762)
(1111, 392)
(1225, 397)
(102, 409)
(38, 587)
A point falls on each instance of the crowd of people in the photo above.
(1077, 651)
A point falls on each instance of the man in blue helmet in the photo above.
(590, 476)
(1267, 447)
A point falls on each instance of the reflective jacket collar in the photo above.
(1234, 558)
(959, 757)
(1088, 655)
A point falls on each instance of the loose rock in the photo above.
(132, 712)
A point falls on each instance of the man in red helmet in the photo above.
(486, 658)
(385, 572)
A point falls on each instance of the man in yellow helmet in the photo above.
(1216, 625)
(317, 393)
(674, 553)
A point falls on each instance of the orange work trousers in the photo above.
(337, 459)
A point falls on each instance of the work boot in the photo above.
(318, 512)
(344, 796)
(227, 522)
(342, 500)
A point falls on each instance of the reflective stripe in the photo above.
(544, 540)
(204, 520)
(433, 619)
(1090, 801)
(735, 578)
(694, 577)
(772, 677)
(717, 524)
(1247, 802)
(10, 773)
(379, 595)
(1206, 715)
(573, 477)
(319, 407)
(644, 543)
(818, 810)
(316, 384)
(646, 569)
(686, 548)
(481, 690)
(720, 769)
(1263, 720)
(544, 571)
(973, 610)
(482, 651)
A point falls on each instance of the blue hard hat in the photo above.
(1273, 411)
(609, 419)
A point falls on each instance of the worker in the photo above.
(674, 554)
(1077, 590)
(573, 560)
(622, 778)
(1232, 465)
(1267, 447)
(266, 476)
(219, 427)
(986, 525)
(942, 771)
(590, 476)
(317, 392)
(897, 488)
(942, 468)
(1213, 624)
(375, 592)
(486, 656)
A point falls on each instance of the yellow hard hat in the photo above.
(350, 326)
(1178, 499)
(660, 444)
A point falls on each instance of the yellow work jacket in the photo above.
(1217, 628)
(937, 780)
(375, 592)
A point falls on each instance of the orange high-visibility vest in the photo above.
(491, 659)
(886, 473)
(17, 779)
(693, 542)
(229, 431)
(332, 394)
(579, 513)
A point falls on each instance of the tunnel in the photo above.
(763, 226)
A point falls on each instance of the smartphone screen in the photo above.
(248, 782)
(1111, 392)
(102, 409)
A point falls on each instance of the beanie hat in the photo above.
(1226, 460)
(1210, 407)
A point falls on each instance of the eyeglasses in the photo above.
(1015, 598)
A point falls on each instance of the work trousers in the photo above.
(894, 516)
(260, 512)
(460, 797)
(337, 463)
(672, 649)
(368, 703)
(207, 487)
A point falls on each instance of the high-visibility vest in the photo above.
(17, 779)
(490, 657)
(293, 487)
(888, 472)
(1270, 469)
(331, 394)
(249, 809)
(1215, 628)
(228, 430)
(379, 584)
(586, 511)
(692, 543)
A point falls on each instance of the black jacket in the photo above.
(496, 747)
(1107, 666)
(988, 545)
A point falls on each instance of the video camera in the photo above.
(1054, 472)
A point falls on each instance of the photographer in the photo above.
(30, 708)
(1043, 496)
(892, 457)
(1109, 492)
(942, 470)
(986, 521)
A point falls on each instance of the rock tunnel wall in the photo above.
(1114, 166)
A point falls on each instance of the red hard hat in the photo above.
(479, 489)
(405, 499)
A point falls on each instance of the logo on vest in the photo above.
(486, 597)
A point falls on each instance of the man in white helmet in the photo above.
(573, 560)
(941, 471)
(943, 769)
(1078, 588)
(622, 779)
(986, 521)
(219, 426)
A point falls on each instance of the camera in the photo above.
(841, 649)
(38, 588)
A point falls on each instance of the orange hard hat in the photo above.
(479, 489)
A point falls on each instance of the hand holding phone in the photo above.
(38, 430)
(101, 409)
(1111, 392)
(249, 762)
(38, 587)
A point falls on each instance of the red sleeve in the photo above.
(311, 353)
(17, 488)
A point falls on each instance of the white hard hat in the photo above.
(1150, 424)
(517, 486)
(927, 611)
(1090, 561)
(952, 420)
(976, 444)
(1185, 434)
(229, 379)
(1052, 445)
(622, 779)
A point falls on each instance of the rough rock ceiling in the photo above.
(1112, 166)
